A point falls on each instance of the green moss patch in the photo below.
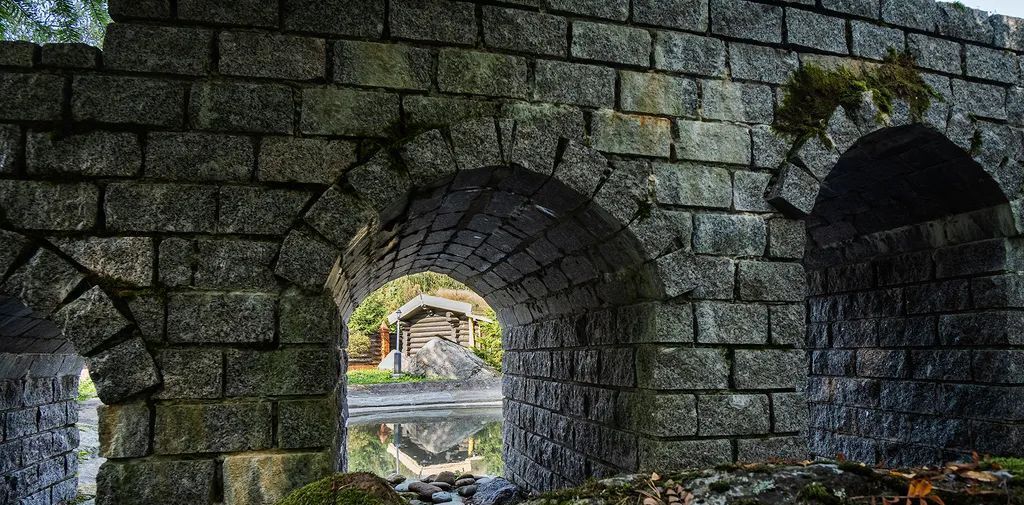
(345, 489)
(814, 92)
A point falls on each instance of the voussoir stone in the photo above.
(305, 259)
(43, 282)
(123, 371)
(90, 321)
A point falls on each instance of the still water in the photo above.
(418, 444)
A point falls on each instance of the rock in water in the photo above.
(469, 490)
(346, 488)
(445, 359)
(447, 477)
(395, 479)
(424, 490)
(497, 491)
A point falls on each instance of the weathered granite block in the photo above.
(260, 54)
(90, 320)
(157, 49)
(682, 368)
(269, 478)
(93, 154)
(124, 430)
(751, 103)
(199, 157)
(610, 43)
(279, 373)
(693, 185)
(333, 111)
(809, 29)
(359, 18)
(874, 41)
(760, 63)
(190, 374)
(746, 20)
(684, 52)
(49, 206)
(473, 72)
(729, 323)
(123, 371)
(727, 235)
(435, 20)
(31, 97)
(237, 12)
(160, 207)
(258, 210)
(203, 428)
(231, 106)
(770, 368)
(657, 94)
(156, 482)
(716, 142)
(730, 414)
(631, 134)
(220, 318)
(70, 55)
(305, 423)
(110, 99)
(382, 65)
(525, 31)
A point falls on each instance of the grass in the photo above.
(86, 389)
(814, 92)
(364, 377)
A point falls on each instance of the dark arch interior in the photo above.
(912, 343)
(559, 267)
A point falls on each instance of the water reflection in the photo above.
(418, 444)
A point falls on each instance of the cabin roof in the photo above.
(420, 303)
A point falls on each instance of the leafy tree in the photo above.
(488, 344)
(54, 20)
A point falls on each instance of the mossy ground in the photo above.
(814, 92)
(345, 489)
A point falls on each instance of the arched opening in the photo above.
(914, 324)
(546, 242)
(438, 408)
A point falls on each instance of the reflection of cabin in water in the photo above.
(426, 317)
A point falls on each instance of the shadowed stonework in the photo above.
(196, 209)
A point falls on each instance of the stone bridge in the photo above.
(196, 209)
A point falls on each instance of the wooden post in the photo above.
(385, 341)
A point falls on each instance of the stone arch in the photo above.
(59, 305)
(540, 226)
(913, 246)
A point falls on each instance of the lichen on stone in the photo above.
(345, 489)
(814, 92)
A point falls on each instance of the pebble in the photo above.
(441, 497)
(469, 490)
(465, 482)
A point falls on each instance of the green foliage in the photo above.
(1012, 465)
(488, 344)
(364, 377)
(816, 492)
(345, 489)
(366, 451)
(365, 321)
(43, 21)
(86, 389)
(488, 444)
(814, 92)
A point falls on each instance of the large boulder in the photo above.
(388, 363)
(444, 359)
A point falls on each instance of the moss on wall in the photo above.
(813, 93)
(348, 489)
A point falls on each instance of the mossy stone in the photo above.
(345, 489)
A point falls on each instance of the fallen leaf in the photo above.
(919, 488)
(980, 476)
(655, 476)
